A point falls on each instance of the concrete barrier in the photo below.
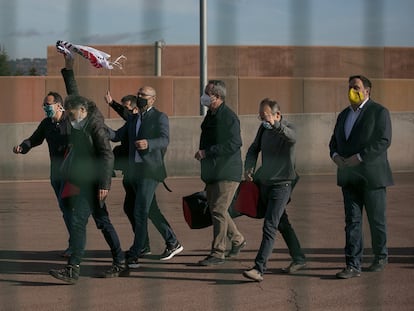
(312, 154)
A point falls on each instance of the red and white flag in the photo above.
(98, 59)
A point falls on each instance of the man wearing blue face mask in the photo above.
(54, 128)
(275, 140)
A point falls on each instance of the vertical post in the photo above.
(158, 58)
(203, 51)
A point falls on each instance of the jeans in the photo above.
(57, 185)
(219, 197)
(146, 207)
(276, 197)
(83, 205)
(291, 240)
(355, 198)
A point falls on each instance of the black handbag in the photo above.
(196, 211)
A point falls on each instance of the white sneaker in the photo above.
(171, 252)
(253, 274)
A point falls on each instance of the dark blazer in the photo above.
(155, 129)
(370, 137)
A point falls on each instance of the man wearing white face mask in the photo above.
(221, 169)
(55, 129)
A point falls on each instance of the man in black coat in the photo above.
(88, 167)
(55, 129)
(358, 147)
(89, 175)
(221, 169)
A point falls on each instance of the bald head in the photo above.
(146, 95)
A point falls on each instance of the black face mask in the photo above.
(142, 102)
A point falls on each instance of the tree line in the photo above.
(19, 67)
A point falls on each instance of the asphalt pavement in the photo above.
(32, 235)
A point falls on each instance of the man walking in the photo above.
(358, 147)
(148, 137)
(221, 169)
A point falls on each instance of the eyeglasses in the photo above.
(144, 95)
(261, 117)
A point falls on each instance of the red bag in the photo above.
(248, 200)
(69, 190)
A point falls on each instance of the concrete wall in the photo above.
(22, 97)
(312, 147)
(310, 84)
(252, 61)
(302, 79)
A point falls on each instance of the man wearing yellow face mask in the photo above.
(358, 147)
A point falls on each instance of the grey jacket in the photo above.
(277, 148)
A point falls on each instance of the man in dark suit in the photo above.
(148, 138)
(358, 147)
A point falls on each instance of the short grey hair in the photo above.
(218, 89)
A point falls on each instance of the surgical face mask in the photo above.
(78, 122)
(267, 125)
(355, 97)
(142, 102)
(205, 100)
(49, 111)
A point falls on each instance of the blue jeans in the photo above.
(291, 240)
(276, 197)
(146, 207)
(57, 185)
(355, 198)
(83, 205)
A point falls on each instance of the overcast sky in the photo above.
(27, 27)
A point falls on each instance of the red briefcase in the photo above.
(248, 200)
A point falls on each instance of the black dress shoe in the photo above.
(348, 273)
(211, 261)
(235, 249)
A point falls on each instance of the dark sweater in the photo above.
(278, 154)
